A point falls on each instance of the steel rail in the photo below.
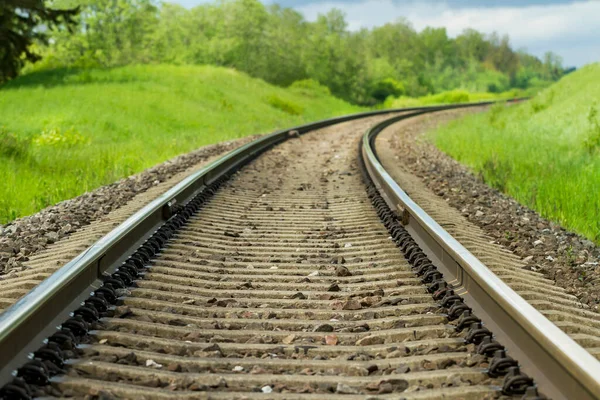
(560, 366)
(26, 324)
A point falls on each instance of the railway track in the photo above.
(301, 272)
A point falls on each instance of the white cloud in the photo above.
(571, 30)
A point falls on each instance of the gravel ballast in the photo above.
(569, 259)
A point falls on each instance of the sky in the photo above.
(570, 28)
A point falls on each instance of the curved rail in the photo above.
(27, 323)
(560, 366)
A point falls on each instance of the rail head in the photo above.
(561, 367)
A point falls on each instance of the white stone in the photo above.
(153, 364)
(267, 389)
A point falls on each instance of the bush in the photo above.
(284, 105)
(387, 87)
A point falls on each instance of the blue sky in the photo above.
(570, 28)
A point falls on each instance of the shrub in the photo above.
(284, 105)
(387, 87)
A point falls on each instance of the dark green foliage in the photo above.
(278, 45)
(20, 27)
(387, 87)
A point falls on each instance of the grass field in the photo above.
(63, 133)
(545, 153)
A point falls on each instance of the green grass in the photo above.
(545, 153)
(65, 132)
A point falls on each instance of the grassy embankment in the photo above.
(64, 133)
(545, 153)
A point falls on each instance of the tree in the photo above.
(116, 32)
(501, 55)
(472, 45)
(330, 58)
(552, 65)
(22, 23)
(278, 45)
(397, 42)
(285, 37)
(437, 47)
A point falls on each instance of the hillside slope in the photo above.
(66, 132)
(544, 153)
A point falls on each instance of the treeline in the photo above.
(278, 45)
